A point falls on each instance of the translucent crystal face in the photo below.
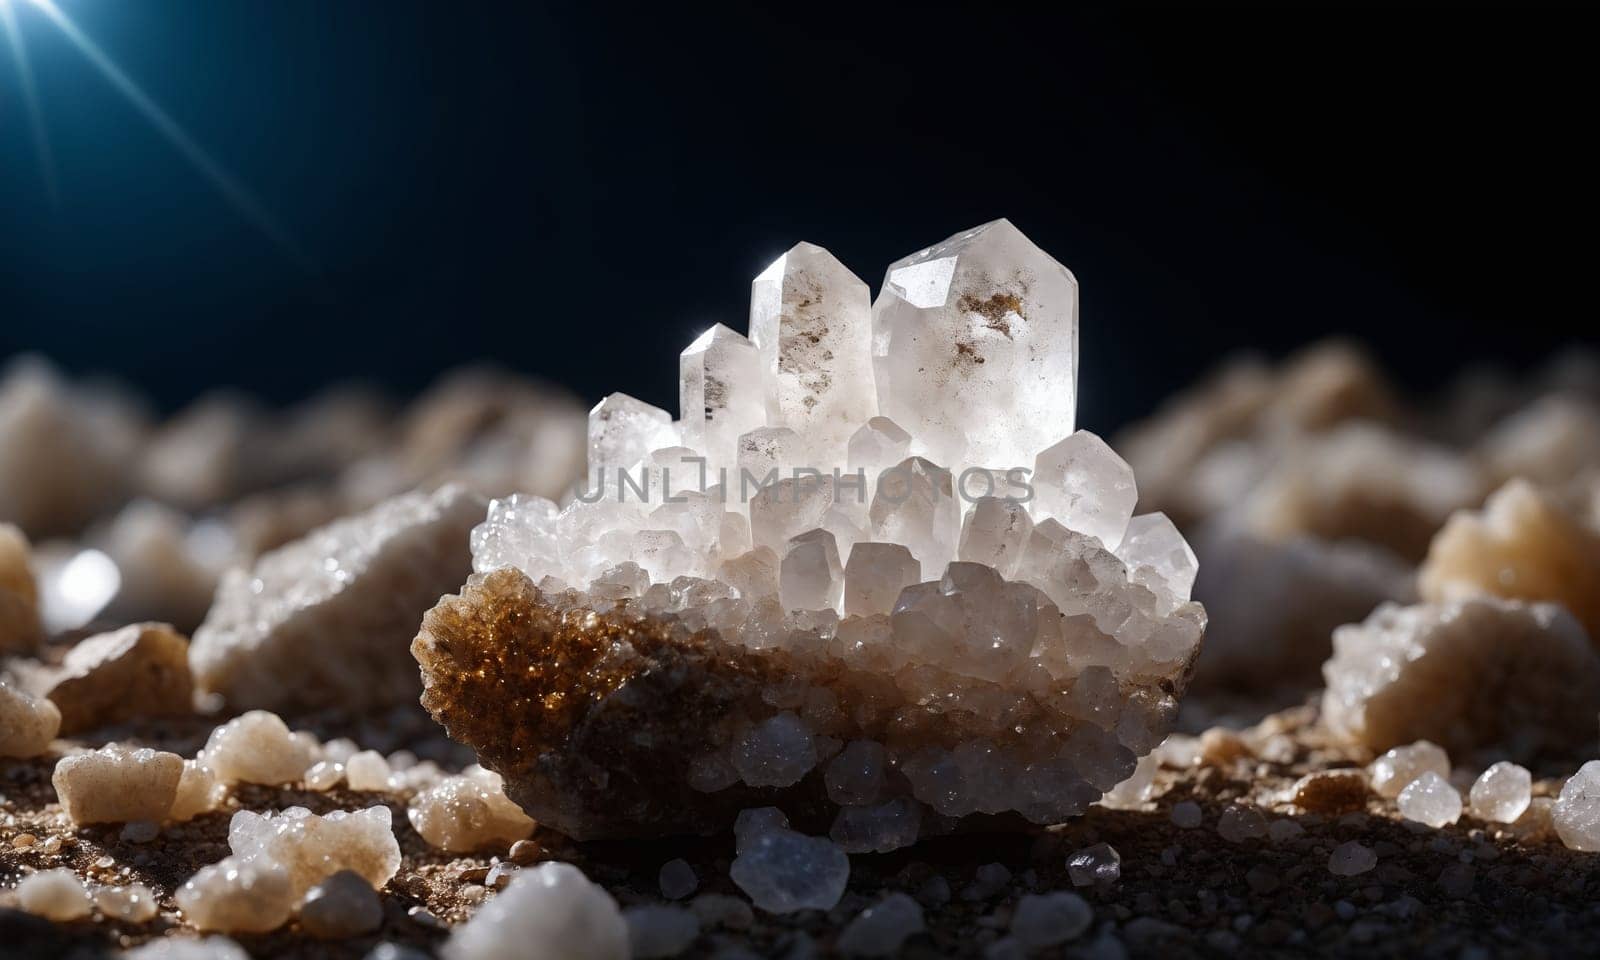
(893, 489)
(975, 348)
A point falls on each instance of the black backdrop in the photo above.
(577, 190)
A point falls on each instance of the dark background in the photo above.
(577, 190)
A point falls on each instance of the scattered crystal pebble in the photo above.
(782, 871)
(1393, 771)
(962, 377)
(1045, 920)
(324, 620)
(134, 903)
(198, 792)
(468, 812)
(175, 948)
(1283, 830)
(1351, 858)
(1501, 793)
(256, 747)
(27, 724)
(553, 908)
(1576, 813)
(1186, 815)
(116, 784)
(751, 823)
(236, 896)
(1240, 822)
(1430, 800)
(1097, 864)
(677, 879)
(324, 775)
(311, 848)
(340, 907)
(882, 929)
(367, 770)
(659, 931)
(53, 894)
(140, 831)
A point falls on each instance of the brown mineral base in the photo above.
(1467, 890)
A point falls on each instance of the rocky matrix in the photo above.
(871, 574)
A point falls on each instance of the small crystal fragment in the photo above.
(811, 576)
(677, 879)
(1239, 823)
(1351, 859)
(468, 812)
(1097, 864)
(116, 785)
(660, 931)
(993, 533)
(367, 770)
(53, 894)
(553, 906)
(27, 724)
(1042, 921)
(720, 394)
(198, 791)
(782, 871)
(234, 896)
(1393, 771)
(1501, 793)
(201, 948)
(256, 747)
(311, 848)
(882, 929)
(340, 907)
(141, 670)
(1431, 800)
(1153, 542)
(1576, 813)
(1330, 791)
(775, 753)
(875, 575)
(20, 627)
(134, 903)
(1186, 815)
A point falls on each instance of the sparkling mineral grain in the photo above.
(134, 903)
(311, 848)
(471, 812)
(1523, 545)
(1351, 859)
(882, 929)
(1468, 674)
(27, 724)
(1096, 864)
(1393, 771)
(116, 784)
(783, 871)
(20, 627)
(1576, 814)
(256, 747)
(654, 664)
(234, 896)
(203, 948)
(342, 906)
(54, 894)
(323, 621)
(199, 791)
(553, 906)
(1431, 800)
(1501, 793)
(141, 670)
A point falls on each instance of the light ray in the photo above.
(30, 101)
(231, 189)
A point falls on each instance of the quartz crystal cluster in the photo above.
(871, 573)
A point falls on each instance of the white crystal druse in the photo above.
(892, 492)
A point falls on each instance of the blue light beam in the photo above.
(30, 102)
(225, 184)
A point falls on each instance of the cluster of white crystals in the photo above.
(898, 486)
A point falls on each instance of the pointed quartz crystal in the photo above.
(1152, 541)
(975, 348)
(811, 318)
(720, 394)
(915, 505)
(622, 431)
